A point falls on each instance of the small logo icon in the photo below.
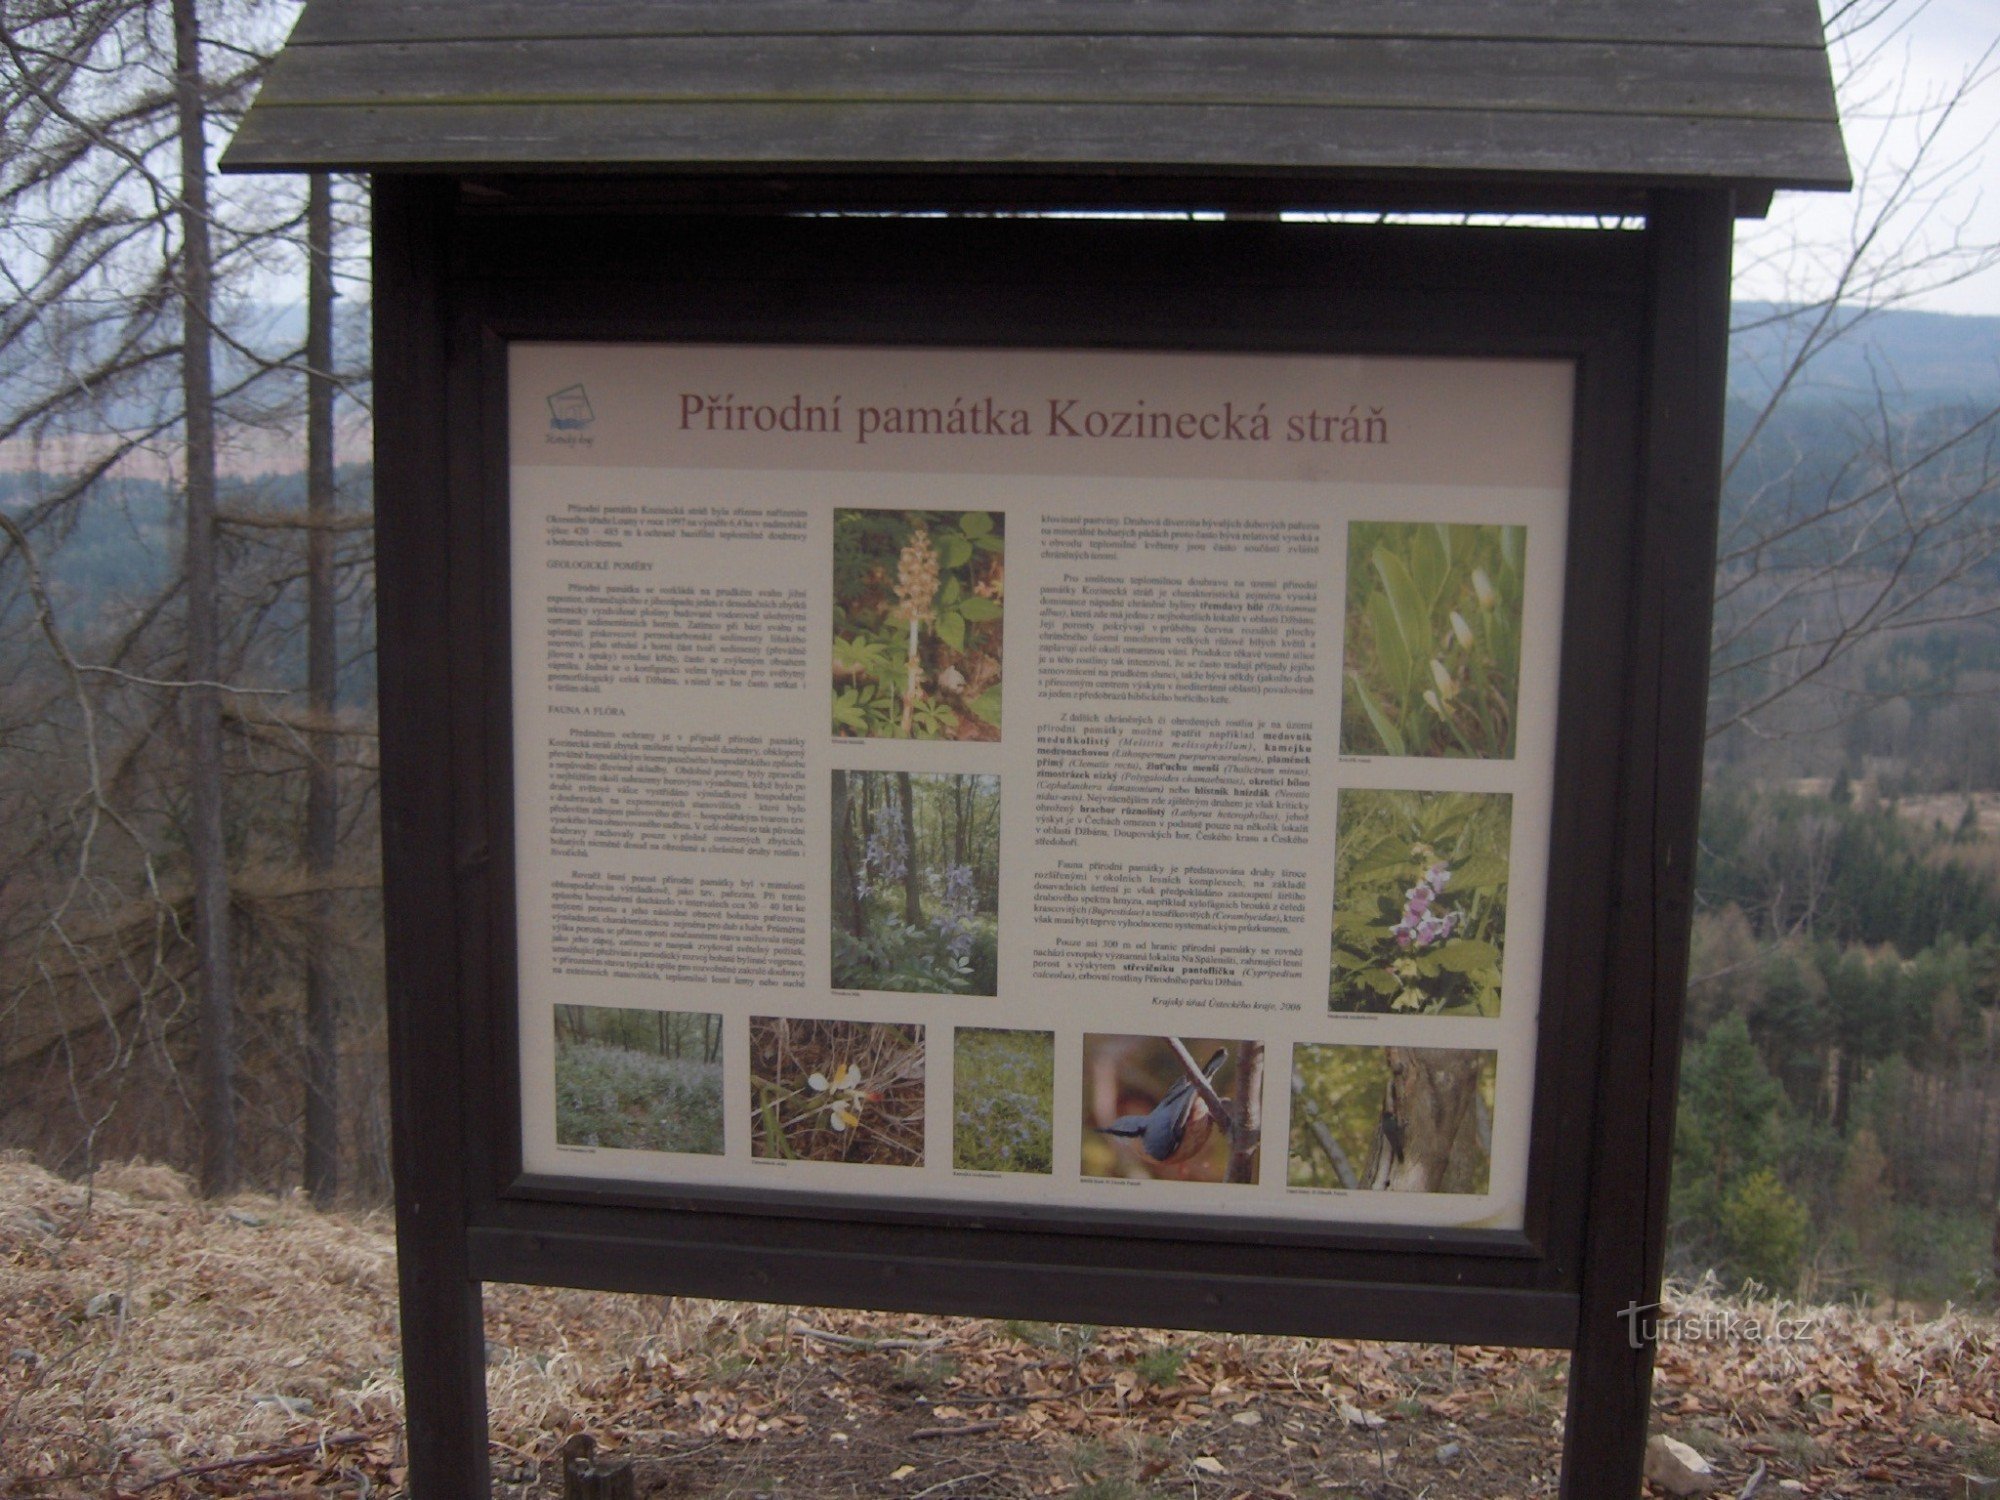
(569, 409)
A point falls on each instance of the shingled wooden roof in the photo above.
(1583, 92)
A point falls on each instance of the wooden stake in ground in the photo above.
(588, 1477)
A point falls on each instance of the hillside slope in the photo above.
(162, 1346)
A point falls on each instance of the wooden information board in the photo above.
(921, 757)
(1130, 772)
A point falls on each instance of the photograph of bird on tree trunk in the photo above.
(1184, 1109)
(916, 882)
(1401, 1119)
(917, 598)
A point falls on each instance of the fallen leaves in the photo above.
(232, 1356)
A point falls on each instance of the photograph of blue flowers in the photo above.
(639, 1080)
(1420, 902)
(916, 882)
(1003, 1100)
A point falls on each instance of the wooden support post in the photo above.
(444, 1366)
(1610, 1385)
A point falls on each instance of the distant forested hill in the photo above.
(1919, 359)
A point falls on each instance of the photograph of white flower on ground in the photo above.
(916, 883)
(848, 1091)
(639, 1080)
(1170, 1107)
(918, 597)
(1433, 639)
(1420, 902)
(1396, 1119)
(1003, 1100)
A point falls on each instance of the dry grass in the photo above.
(146, 1333)
(149, 1338)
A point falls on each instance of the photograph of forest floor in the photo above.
(161, 1346)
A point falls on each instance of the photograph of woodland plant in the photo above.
(639, 1080)
(1433, 639)
(1003, 1100)
(1400, 1119)
(917, 600)
(849, 1091)
(916, 882)
(1144, 1116)
(1420, 902)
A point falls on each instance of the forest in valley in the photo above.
(916, 882)
(1840, 1091)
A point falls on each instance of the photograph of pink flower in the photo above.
(1420, 902)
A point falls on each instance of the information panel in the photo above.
(1078, 779)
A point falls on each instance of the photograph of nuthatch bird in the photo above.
(1176, 1128)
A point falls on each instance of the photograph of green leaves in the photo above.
(916, 882)
(1419, 902)
(1397, 1119)
(1003, 1100)
(1433, 639)
(639, 1080)
(917, 603)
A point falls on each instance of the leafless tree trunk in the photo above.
(1248, 1125)
(322, 1019)
(202, 705)
(847, 912)
(913, 911)
(1428, 1139)
(1806, 573)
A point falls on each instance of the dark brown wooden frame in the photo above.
(1642, 313)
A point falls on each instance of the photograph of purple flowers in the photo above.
(1433, 639)
(1420, 902)
(849, 1091)
(1003, 1100)
(916, 882)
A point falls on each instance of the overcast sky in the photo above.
(1894, 82)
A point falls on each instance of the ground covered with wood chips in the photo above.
(157, 1346)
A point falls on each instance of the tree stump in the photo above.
(588, 1477)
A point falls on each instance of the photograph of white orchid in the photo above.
(1433, 639)
(848, 1091)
